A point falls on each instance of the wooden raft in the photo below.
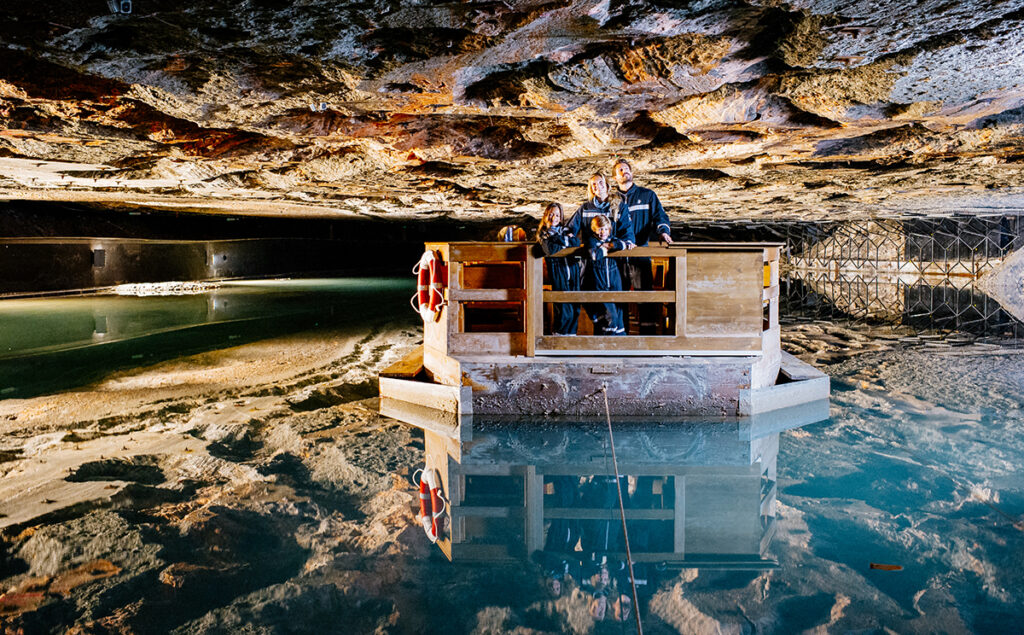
(490, 350)
(717, 299)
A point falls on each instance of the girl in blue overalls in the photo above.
(605, 272)
(564, 273)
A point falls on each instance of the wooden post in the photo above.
(533, 531)
(534, 309)
(680, 267)
(455, 317)
(679, 524)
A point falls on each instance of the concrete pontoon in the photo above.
(489, 351)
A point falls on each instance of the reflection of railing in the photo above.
(714, 299)
(700, 495)
(916, 305)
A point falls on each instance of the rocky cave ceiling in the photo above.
(728, 108)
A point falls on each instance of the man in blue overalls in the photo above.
(649, 221)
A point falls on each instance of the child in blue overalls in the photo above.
(564, 273)
(605, 273)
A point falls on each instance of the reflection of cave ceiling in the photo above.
(729, 108)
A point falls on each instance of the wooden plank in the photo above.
(790, 395)
(478, 551)
(435, 332)
(444, 248)
(663, 251)
(597, 465)
(441, 422)
(429, 395)
(770, 293)
(456, 314)
(487, 344)
(723, 293)
(488, 295)
(488, 469)
(610, 296)
(797, 369)
(584, 513)
(441, 368)
(651, 344)
(408, 366)
(680, 289)
(511, 513)
(492, 275)
(488, 252)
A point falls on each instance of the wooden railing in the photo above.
(714, 299)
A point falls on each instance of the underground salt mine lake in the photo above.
(212, 457)
(530, 316)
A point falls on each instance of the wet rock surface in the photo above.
(729, 108)
(289, 520)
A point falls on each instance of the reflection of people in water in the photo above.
(602, 535)
(563, 533)
(599, 605)
(622, 608)
(602, 582)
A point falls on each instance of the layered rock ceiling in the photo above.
(728, 108)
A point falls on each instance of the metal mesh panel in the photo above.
(917, 273)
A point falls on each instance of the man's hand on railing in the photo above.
(666, 239)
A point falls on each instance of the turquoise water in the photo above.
(901, 512)
(49, 344)
(917, 466)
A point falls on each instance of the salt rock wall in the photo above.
(728, 108)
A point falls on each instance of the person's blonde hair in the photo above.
(600, 222)
(590, 186)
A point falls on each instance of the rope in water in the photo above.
(622, 513)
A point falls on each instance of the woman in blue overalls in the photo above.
(564, 273)
(598, 204)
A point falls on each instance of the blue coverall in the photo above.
(622, 230)
(604, 275)
(648, 221)
(564, 274)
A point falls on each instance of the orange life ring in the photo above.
(431, 275)
(429, 296)
(424, 495)
(438, 278)
(432, 520)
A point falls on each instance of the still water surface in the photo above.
(918, 466)
(58, 343)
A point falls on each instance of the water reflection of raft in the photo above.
(490, 352)
(697, 493)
